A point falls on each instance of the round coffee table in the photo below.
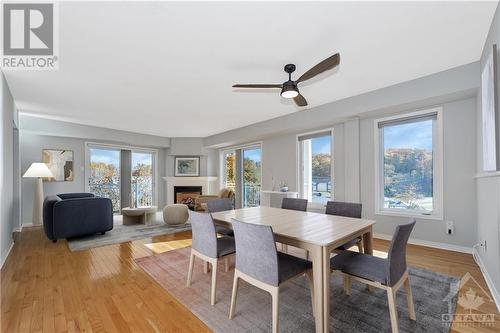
(138, 215)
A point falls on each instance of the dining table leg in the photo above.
(326, 288)
(316, 256)
(368, 248)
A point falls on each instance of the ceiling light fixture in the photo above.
(289, 90)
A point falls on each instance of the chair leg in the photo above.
(205, 267)
(360, 246)
(276, 304)
(409, 299)
(232, 309)
(214, 281)
(226, 264)
(190, 271)
(347, 285)
(391, 298)
(311, 287)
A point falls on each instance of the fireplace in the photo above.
(186, 195)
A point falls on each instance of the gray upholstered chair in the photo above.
(208, 247)
(388, 274)
(220, 205)
(347, 209)
(259, 263)
(294, 204)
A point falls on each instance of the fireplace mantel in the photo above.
(208, 184)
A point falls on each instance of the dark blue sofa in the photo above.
(76, 214)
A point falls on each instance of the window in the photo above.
(104, 176)
(408, 164)
(242, 172)
(126, 175)
(316, 167)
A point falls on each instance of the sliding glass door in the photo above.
(242, 170)
(142, 179)
(104, 175)
(251, 176)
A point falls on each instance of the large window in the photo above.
(409, 164)
(242, 170)
(316, 167)
(126, 175)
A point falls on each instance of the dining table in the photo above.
(317, 233)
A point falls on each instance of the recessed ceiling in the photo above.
(166, 68)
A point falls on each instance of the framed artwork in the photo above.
(188, 166)
(489, 113)
(60, 162)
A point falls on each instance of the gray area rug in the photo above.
(434, 294)
(124, 233)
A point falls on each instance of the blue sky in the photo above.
(253, 154)
(113, 157)
(412, 135)
(321, 145)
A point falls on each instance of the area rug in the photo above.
(125, 233)
(434, 294)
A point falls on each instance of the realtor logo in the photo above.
(29, 36)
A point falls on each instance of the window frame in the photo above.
(300, 167)
(437, 167)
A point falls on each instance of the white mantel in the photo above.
(208, 185)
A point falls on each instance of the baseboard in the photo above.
(4, 258)
(489, 281)
(436, 245)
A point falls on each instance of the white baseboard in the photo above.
(489, 281)
(6, 255)
(436, 245)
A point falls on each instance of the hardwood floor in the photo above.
(47, 288)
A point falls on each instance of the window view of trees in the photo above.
(104, 177)
(142, 179)
(321, 164)
(408, 166)
(251, 174)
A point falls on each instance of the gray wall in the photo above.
(6, 170)
(352, 120)
(488, 188)
(32, 144)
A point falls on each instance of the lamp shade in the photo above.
(38, 170)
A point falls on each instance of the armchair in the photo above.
(201, 201)
(76, 214)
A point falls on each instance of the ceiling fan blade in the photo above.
(257, 85)
(300, 100)
(323, 66)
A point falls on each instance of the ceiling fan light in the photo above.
(289, 92)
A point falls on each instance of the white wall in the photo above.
(6, 170)
(488, 188)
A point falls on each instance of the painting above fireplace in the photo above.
(187, 195)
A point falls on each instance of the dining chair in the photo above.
(220, 205)
(208, 247)
(259, 263)
(346, 209)
(388, 274)
(293, 204)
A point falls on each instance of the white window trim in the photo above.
(437, 173)
(300, 167)
(98, 145)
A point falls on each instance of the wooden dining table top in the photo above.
(314, 228)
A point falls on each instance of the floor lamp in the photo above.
(38, 171)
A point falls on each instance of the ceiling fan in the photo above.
(289, 89)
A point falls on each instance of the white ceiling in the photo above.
(167, 68)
